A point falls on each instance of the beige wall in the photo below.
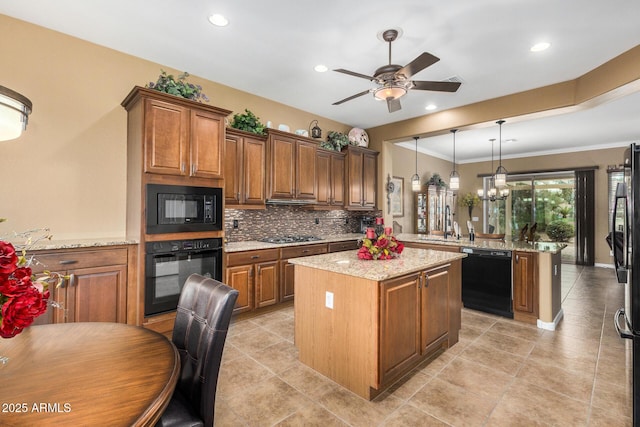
(68, 170)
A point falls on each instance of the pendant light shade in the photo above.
(501, 172)
(415, 179)
(493, 192)
(454, 178)
(14, 112)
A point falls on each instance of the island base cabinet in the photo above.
(365, 334)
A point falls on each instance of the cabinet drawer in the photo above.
(306, 250)
(250, 257)
(70, 260)
(343, 246)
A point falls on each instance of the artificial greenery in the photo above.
(248, 121)
(436, 180)
(335, 141)
(560, 231)
(469, 200)
(179, 87)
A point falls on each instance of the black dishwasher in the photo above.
(486, 281)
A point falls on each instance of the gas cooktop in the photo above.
(290, 239)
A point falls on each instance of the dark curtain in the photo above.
(585, 217)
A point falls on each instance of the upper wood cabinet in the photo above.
(361, 178)
(244, 169)
(330, 182)
(292, 168)
(180, 137)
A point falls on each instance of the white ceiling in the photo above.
(270, 48)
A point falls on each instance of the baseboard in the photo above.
(551, 326)
(601, 265)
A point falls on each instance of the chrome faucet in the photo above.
(447, 220)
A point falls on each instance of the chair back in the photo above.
(199, 333)
(491, 236)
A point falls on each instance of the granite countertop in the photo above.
(547, 247)
(252, 245)
(49, 245)
(347, 262)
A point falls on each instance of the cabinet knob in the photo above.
(517, 258)
(255, 256)
(68, 261)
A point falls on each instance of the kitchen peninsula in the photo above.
(364, 324)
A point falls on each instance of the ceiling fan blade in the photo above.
(353, 73)
(418, 64)
(393, 105)
(436, 86)
(352, 97)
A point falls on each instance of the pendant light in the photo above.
(501, 172)
(415, 179)
(14, 112)
(492, 193)
(454, 178)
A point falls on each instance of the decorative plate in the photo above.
(359, 137)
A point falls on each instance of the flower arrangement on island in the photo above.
(382, 247)
(23, 297)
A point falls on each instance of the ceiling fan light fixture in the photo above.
(390, 91)
(14, 113)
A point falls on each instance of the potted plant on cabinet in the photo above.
(248, 122)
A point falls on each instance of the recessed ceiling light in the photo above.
(218, 20)
(431, 107)
(320, 68)
(539, 47)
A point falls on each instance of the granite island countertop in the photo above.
(252, 245)
(548, 247)
(347, 262)
(53, 244)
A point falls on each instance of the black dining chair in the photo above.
(199, 333)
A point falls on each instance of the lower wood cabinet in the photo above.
(255, 275)
(287, 269)
(435, 294)
(96, 290)
(525, 286)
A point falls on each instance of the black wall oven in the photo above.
(177, 208)
(169, 263)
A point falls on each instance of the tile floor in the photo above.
(500, 373)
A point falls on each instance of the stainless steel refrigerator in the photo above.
(624, 237)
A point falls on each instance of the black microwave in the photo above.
(177, 208)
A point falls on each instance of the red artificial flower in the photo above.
(8, 258)
(20, 311)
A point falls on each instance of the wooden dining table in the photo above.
(86, 374)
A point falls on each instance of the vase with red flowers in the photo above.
(384, 246)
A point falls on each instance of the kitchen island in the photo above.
(364, 324)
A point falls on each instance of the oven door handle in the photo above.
(624, 333)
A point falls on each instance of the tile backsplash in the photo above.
(256, 224)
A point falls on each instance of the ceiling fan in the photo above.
(394, 80)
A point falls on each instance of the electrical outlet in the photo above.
(235, 224)
(317, 220)
(328, 300)
(475, 219)
(346, 221)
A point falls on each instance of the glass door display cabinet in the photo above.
(430, 204)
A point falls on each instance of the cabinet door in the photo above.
(282, 158)
(369, 177)
(232, 169)
(254, 161)
(323, 166)
(337, 180)
(166, 134)
(399, 325)
(287, 280)
(525, 286)
(306, 170)
(240, 278)
(266, 283)
(355, 196)
(97, 294)
(207, 146)
(435, 305)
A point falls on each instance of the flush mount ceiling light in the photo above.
(218, 20)
(454, 177)
(430, 107)
(415, 179)
(320, 68)
(14, 113)
(539, 47)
